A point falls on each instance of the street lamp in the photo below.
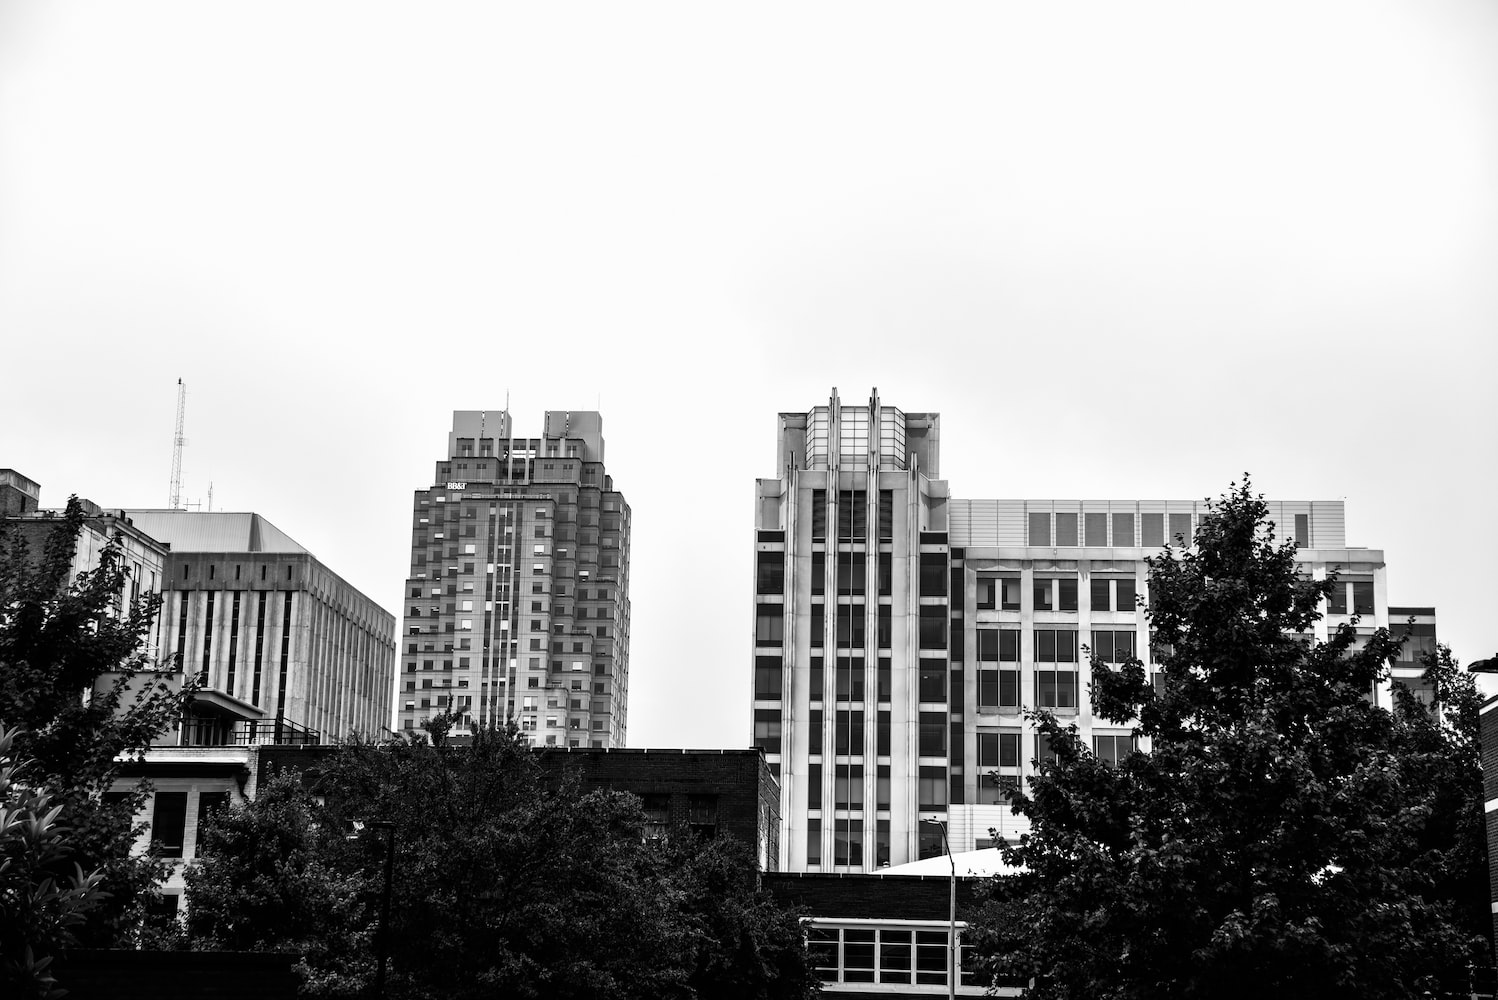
(382, 934)
(951, 912)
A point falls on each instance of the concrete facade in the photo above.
(900, 634)
(258, 618)
(518, 595)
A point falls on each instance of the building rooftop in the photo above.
(214, 531)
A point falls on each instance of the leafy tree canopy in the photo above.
(1280, 835)
(69, 651)
(506, 882)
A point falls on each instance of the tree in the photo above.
(507, 881)
(1281, 835)
(38, 910)
(267, 880)
(60, 644)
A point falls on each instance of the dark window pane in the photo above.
(1125, 595)
(1101, 594)
(819, 572)
(1067, 601)
(1040, 529)
(1009, 688)
(1043, 592)
(1123, 529)
(1180, 529)
(1096, 528)
(1302, 530)
(770, 573)
(1009, 595)
(1362, 598)
(169, 823)
(1066, 529)
(1151, 530)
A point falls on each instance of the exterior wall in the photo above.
(518, 595)
(864, 930)
(142, 557)
(930, 723)
(841, 727)
(280, 631)
(744, 792)
(1488, 734)
(196, 772)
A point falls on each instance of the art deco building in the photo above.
(899, 634)
(518, 597)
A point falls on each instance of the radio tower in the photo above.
(175, 503)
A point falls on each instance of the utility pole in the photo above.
(175, 500)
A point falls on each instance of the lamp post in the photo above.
(951, 911)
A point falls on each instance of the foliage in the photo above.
(1282, 836)
(267, 881)
(39, 911)
(69, 652)
(507, 881)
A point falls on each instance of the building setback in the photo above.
(258, 618)
(899, 634)
(518, 596)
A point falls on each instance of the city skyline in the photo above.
(1122, 252)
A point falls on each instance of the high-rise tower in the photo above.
(900, 634)
(850, 602)
(517, 604)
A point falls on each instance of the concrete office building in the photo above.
(518, 598)
(280, 642)
(899, 633)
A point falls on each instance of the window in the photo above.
(818, 637)
(769, 624)
(767, 729)
(1009, 594)
(885, 626)
(818, 573)
(1337, 599)
(208, 803)
(1151, 530)
(1123, 529)
(1066, 529)
(933, 626)
(1362, 598)
(851, 574)
(848, 733)
(1066, 594)
(1043, 596)
(169, 823)
(850, 625)
(819, 515)
(933, 574)
(1056, 688)
(932, 792)
(1095, 527)
(770, 573)
(767, 676)
(987, 593)
(1113, 646)
(702, 815)
(1112, 749)
(1302, 530)
(932, 739)
(657, 816)
(814, 857)
(849, 680)
(814, 679)
(932, 683)
(886, 515)
(1180, 529)
(1112, 595)
(1040, 528)
(1056, 645)
(852, 515)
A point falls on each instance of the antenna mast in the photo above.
(175, 502)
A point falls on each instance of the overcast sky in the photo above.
(1127, 250)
